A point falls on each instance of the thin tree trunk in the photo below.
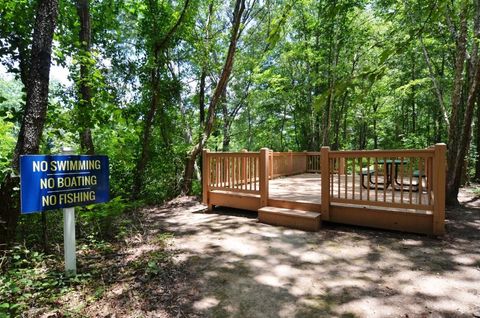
(229, 116)
(157, 49)
(412, 96)
(85, 96)
(282, 129)
(201, 102)
(30, 134)
(375, 133)
(203, 74)
(226, 123)
(477, 141)
(220, 87)
(437, 86)
(144, 152)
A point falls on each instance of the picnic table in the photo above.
(390, 176)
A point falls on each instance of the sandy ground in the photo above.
(231, 266)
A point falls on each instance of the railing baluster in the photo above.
(385, 177)
(210, 166)
(353, 178)
(330, 172)
(232, 173)
(420, 190)
(401, 176)
(346, 178)
(250, 172)
(360, 169)
(427, 179)
(393, 168)
(339, 180)
(410, 188)
(376, 178)
(238, 173)
(368, 178)
(217, 171)
(229, 183)
(244, 175)
(255, 173)
(234, 179)
(224, 176)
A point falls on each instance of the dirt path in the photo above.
(231, 266)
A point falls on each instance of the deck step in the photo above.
(296, 219)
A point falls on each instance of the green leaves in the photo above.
(30, 278)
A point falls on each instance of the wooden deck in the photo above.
(283, 186)
(305, 187)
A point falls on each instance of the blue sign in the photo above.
(49, 182)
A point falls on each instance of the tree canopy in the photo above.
(152, 83)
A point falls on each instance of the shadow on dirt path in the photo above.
(233, 266)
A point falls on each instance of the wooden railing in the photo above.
(383, 179)
(243, 172)
(291, 163)
(313, 162)
(237, 172)
(407, 179)
(287, 163)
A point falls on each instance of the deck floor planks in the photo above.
(306, 187)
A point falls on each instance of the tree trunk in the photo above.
(477, 141)
(147, 128)
(157, 48)
(458, 147)
(454, 131)
(282, 128)
(85, 91)
(412, 96)
(203, 74)
(201, 98)
(30, 134)
(226, 123)
(219, 89)
(375, 132)
(436, 84)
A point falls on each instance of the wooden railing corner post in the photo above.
(205, 177)
(439, 175)
(264, 174)
(325, 177)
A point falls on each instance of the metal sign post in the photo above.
(69, 244)
(69, 241)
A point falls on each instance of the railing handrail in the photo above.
(233, 154)
(284, 153)
(381, 153)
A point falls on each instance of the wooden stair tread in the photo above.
(296, 219)
(289, 212)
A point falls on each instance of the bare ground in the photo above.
(225, 264)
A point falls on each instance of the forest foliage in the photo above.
(136, 80)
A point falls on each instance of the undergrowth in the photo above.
(33, 282)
